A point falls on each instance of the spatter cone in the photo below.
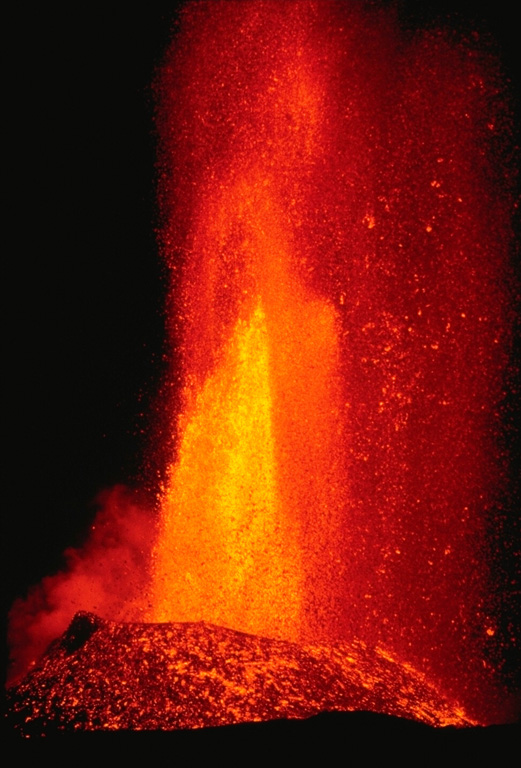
(104, 675)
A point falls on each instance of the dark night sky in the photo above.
(86, 297)
(84, 324)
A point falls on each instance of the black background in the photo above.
(85, 297)
(83, 281)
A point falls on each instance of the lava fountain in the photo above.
(336, 195)
(345, 327)
(335, 198)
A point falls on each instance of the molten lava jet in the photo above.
(337, 196)
(254, 493)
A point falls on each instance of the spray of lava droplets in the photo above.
(335, 200)
(337, 208)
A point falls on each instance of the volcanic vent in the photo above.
(336, 207)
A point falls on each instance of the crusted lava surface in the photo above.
(108, 676)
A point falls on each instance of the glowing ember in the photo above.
(337, 202)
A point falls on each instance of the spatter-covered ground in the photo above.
(102, 675)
